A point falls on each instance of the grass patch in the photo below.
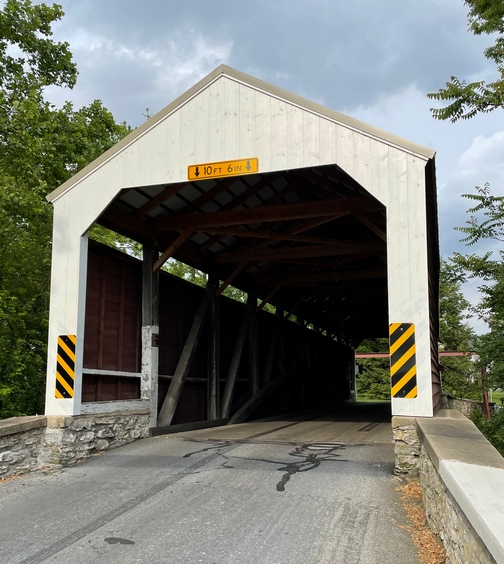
(497, 396)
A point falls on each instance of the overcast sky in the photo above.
(373, 60)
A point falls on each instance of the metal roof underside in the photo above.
(311, 240)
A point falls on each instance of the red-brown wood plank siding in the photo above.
(112, 342)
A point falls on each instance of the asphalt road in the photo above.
(173, 499)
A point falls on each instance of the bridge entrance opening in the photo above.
(325, 226)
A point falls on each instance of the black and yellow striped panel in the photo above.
(403, 370)
(65, 367)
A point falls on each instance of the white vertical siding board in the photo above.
(247, 123)
(398, 247)
(294, 137)
(231, 120)
(216, 109)
(67, 306)
(187, 134)
(327, 142)
(311, 139)
(155, 153)
(379, 172)
(263, 130)
(202, 127)
(278, 134)
(362, 165)
(418, 265)
(174, 170)
(408, 277)
(345, 149)
(130, 166)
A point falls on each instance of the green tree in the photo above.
(373, 380)
(468, 99)
(199, 278)
(41, 146)
(486, 223)
(459, 376)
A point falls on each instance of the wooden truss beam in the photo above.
(328, 186)
(307, 251)
(277, 236)
(172, 249)
(315, 222)
(322, 277)
(298, 227)
(160, 198)
(119, 219)
(342, 177)
(255, 401)
(253, 335)
(268, 297)
(185, 361)
(370, 225)
(236, 359)
(242, 198)
(209, 195)
(334, 290)
(238, 270)
(261, 214)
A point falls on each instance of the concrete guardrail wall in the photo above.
(462, 478)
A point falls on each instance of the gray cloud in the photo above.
(373, 60)
(343, 53)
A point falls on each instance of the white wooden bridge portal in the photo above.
(330, 220)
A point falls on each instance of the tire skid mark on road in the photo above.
(309, 456)
(79, 534)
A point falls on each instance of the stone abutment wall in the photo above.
(447, 520)
(31, 443)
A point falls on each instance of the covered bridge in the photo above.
(331, 221)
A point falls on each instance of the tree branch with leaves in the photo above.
(468, 99)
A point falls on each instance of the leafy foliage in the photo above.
(493, 428)
(373, 381)
(486, 223)
(468, 99)
(199, 278)
(41, 146)
(492, 208)
(459, 378)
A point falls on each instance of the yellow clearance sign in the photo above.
(223, 169)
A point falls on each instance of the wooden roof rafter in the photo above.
(293, 279)
(304, 210)
(162, 197)
(242, 198)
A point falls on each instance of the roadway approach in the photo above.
(309, 488)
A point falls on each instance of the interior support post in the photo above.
(253, 344)
(227, 396)
(213, 394)
(150, 330)
(185, 361)
(281, 353)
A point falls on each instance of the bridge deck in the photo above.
(279, 492)
(361, 423)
